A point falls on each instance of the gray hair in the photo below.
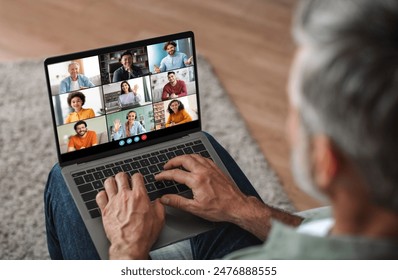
(349, 84)
(74, 63)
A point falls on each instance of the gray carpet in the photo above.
(27, 152)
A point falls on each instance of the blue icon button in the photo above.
(129, 141)
(136, 139)
(121, 143)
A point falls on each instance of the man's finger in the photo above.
(188, 162)
(122, 181)
(177, 175)
(176, 201)
(102, 200)
(110, 187)
(138, 185)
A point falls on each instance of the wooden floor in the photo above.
(248, 43)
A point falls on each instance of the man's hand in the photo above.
(131, 222)
(189, 61)
(215, 196)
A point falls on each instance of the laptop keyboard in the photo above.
(89, 182)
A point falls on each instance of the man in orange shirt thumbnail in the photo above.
(84, 138)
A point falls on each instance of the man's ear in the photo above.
(325, 161)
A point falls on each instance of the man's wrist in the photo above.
(123, 252)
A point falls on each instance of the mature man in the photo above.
(127, 71)
(173, 60)
(341, 125)
(75, 81)
(174, 88)
(84, 138)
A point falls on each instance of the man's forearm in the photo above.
(255, 217)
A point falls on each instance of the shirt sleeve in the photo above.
(91, 113)
(162, 66)
(71, 143)
(183, 89)
(186, 117)
(116, 76)
(62, 87)
(94, 140)
(86, 81)
(165, 94)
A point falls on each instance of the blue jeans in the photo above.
(67, 236)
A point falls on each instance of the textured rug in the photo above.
(27, 152)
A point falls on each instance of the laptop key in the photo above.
(79, 180)
(182, 188)
(85, 188)
(162, 158)
(117, 169)
(168, 183)
(150, 188)
(160, 166)
(107, 173)
(78, 174)
(91, 205)
(98, 185)
(198, 148)
(170, 155)
(150, 178)
(98, 175)
(135, 165)
(144, 171)
(145, 162)
(153, 169)
(188, 150)
(153, 160)
(170, 190)
(154, 195)
(205, 154)
(159, 185)
(89, 195)
(126, 167)
(95, 213)
(89, 178)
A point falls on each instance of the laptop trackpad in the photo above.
(181, 225)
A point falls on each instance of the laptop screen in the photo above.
(123, 97)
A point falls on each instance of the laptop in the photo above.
(98, 139)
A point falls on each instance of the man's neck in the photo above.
(357, 216)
